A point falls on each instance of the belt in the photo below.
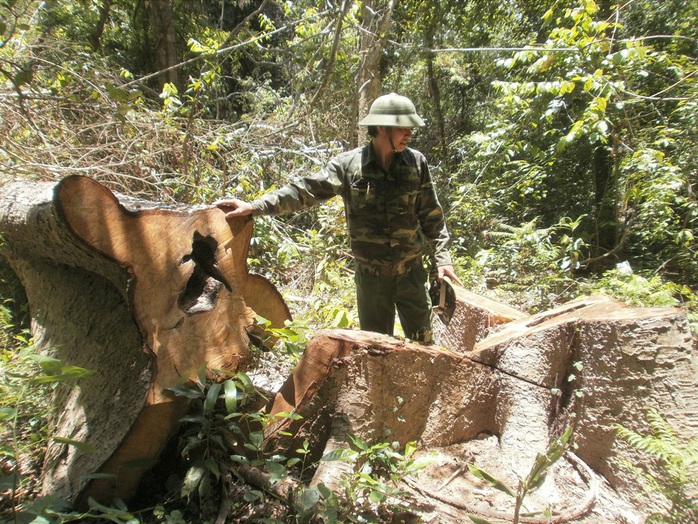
(392, 270)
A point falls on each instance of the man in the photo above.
(392, 211)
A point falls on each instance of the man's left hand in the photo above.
(448, 271)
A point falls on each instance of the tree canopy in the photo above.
(572, 122)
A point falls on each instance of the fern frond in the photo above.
(661, 428)
(676, 473)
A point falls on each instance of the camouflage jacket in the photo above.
(390, 216)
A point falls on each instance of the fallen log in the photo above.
(144, 298)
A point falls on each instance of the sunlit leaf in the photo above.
(212, 397)
(478, 520)
(340, 454)
(82, 446)
(494, 482)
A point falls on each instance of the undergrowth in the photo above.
(670, 473)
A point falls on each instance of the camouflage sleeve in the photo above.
(302, 193)
(431, 218)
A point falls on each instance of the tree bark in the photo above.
(374, 31)
(593, 363)
(96, 36)
(142, 297)
(606, 202)
(434, 90)
(161, 18)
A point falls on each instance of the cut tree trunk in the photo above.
(592, 363)
(143, 298)
(473, 319)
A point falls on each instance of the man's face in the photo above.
(400, 137)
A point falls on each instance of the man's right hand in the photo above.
(234, 207)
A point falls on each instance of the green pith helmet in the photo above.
(392, 110)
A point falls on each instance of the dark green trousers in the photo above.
(377, 298)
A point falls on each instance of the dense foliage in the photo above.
(562, 135)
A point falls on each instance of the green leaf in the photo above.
(376, 497)
(536, 476)
(55, 371)
(252, 495)
(277, 471)
(212, 466)
(230, 396)
(324, 490)
(599, 104)
(82, 446)
(192, 479)
(212, 397)
(306, 500)
(478, 520)
(201, 375)
(246, 384)
(288, 415)
(204, 490)
(543, 461)
(340, 454)
(255, 440)
(184, 391)
(240, 459)
(117, 94)
(495, 483)
(358, 443)
(7, 413)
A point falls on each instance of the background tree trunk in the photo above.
(434, 90)
(96, 36)
(375, 24)
(606, 201)
(161, 18)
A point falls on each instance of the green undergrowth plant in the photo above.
(671, 471)
(28, 379)
(225, 434)
(372, 490)
(306, 255)
(534, 479)
(535, 269)
(642, 290)
(292, 339)
(26, 386)
(289, 340)
(528, 266)
(224, 414)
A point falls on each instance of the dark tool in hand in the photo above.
(443, 299)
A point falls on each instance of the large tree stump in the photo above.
(143, 297)
(592, 363)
